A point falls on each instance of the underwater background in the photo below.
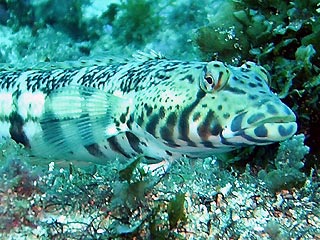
(269, 192)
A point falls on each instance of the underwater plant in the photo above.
(135, 22)
(288, 165)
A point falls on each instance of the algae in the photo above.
(137, 21)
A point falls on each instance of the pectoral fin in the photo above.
(75, 117)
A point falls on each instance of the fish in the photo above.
(147, 106)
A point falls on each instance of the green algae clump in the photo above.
(288, 164)
(136, 22)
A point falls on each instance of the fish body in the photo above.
(161, 109)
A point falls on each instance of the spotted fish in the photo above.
(149, 105)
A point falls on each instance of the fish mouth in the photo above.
(263, 132)
(277, 120)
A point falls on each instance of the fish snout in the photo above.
(270, 122)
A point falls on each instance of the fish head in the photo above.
(201, 108)
(237, 108)
(213, 106)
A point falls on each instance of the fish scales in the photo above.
(151, 106)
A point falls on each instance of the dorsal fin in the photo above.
(97, 60)
(144, 56)
(82, 62)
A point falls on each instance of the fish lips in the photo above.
(266, 131)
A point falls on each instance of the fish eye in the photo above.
(260, 71)
(215, 76)
(209, 79)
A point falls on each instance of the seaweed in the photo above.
(136, 22)
(222, 37)
(176, 212)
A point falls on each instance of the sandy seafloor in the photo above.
(196, 199)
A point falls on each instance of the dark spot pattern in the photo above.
(16, 129)
(162, 112)
(285, 132)
(261, 131)
(253, 97)
(124, 116)
(189, 78)
(140, 119)
(235, 90)
(226, 115)
(258, 79)
(167, 131)
(94, 150)
(208, 144)
(169, 153)
(271, 109)
(237, 122)
(183, 124)
(152, 124)
(115, 146)
(204, 128)
(134, 142)
(252, 85)
(216, 129)
(196, 116)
